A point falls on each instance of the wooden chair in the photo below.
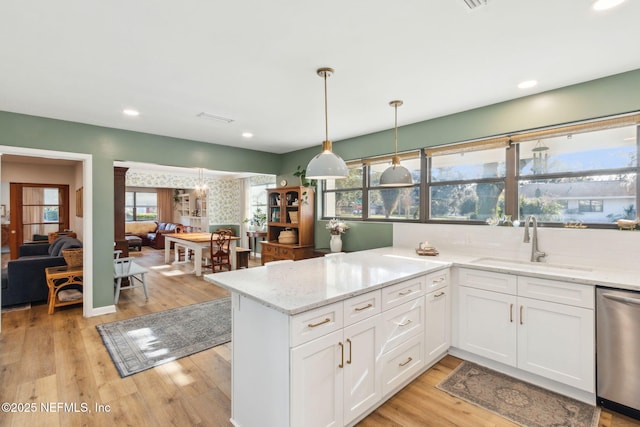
(126, 268)
(220, 251)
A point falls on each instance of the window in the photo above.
(579, 173)
(395, 203)
(41, 209)
(360, 196)
(589, 205)
(343, 197)
(258, 185)
(467, 186)
(141, 206)
(588, 177)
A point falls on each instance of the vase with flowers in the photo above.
(336, 228)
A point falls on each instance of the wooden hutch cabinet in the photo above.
(289, 209)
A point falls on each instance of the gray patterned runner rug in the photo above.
(150, 340)
(520, 402)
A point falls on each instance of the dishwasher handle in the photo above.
(622, 299)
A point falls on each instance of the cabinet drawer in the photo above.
(557, 291)
(402, 323)
(268, 249)
(437, 280)
(362, 306)
(488, 280)
(394, 295)
(402, 363)
(315, 323)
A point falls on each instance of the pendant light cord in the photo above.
(326, 114)
(396, 125)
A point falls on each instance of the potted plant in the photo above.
(258, 220)
(304, 182)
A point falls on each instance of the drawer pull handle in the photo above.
(350, 345)
(438, 295)
(341, 365)
(313, 325)
(521, 318)
(364, 308)
(404, 323)
(511, 313)
(407, 292)
(405, 363)
(441, 279)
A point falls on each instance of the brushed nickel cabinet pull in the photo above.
(404, 363)
(511, 313)
(341, 365)
(313, 325)
(521, 319)
(407, 292)
(405, 323)
(441, 279)
(350, 345)
(364, 308)
(438, 295)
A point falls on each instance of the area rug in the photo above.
(520, 402)
(150, 340)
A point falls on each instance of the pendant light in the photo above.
(326, 165)
(396, 175)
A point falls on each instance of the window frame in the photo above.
(135, 205)
(512, 177)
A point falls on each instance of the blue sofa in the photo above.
(24, 280)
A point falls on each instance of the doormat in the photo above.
(520, 402)
(150, 340)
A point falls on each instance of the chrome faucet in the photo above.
(536, 254)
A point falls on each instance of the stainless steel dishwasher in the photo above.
(618, 350)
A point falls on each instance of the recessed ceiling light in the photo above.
(527, 84)
(247, 135)
(606, 4)
(130, 112)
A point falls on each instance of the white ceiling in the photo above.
(255, 61)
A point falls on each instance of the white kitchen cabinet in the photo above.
(437, 324)
(537, 335)
(333, 364)
(556, 341)
(487, 324)
(337, 377)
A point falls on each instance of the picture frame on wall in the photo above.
(79, 202)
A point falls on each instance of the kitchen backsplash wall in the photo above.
(611, 249)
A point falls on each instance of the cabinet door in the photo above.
(317, 372)
(487, 324)
(437, 323)
(363, 367)
(556, 341)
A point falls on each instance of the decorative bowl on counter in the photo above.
(627, 224)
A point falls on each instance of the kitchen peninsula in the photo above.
(324, 341)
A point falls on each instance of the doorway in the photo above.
(39, 209)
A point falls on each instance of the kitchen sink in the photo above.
(528, 265)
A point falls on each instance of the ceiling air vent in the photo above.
(214, 117)
(472, 4)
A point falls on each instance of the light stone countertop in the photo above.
(590, 275)
(298, 286)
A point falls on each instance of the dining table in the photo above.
(195, 242)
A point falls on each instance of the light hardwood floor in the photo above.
(59, 359)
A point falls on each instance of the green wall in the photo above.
(611, 95)
(107, 145)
